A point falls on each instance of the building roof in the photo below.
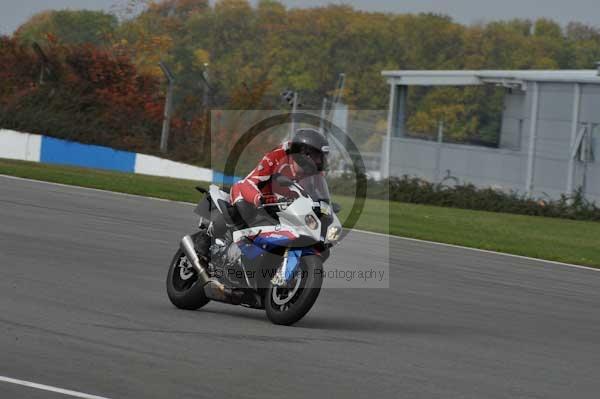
(508, 77)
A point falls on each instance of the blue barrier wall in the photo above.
(63, 152)
(89, 156)
(220, 179)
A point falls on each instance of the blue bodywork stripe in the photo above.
(260, 245)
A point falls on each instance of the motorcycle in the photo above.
(275, 264)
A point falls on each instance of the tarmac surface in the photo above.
(83, 307)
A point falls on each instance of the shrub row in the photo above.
(467, 196)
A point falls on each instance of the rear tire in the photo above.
(302, 300)
(182, 285)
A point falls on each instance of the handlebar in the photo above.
(286, 201)
(283, 201)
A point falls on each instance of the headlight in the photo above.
(333, 233)
(311, 222)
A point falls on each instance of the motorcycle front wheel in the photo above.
(181, 284)
(285, 306)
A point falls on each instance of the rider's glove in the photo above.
(269, 199)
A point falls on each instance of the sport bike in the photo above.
(273, 263)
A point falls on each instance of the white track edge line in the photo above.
(49, 388)
(487, 251)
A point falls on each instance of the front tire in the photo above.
(286, 308)
(182, 284)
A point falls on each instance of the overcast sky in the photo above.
(15, 12)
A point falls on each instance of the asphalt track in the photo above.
(83, 307)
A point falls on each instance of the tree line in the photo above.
(102, 82)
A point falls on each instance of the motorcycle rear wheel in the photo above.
(289, 305)
(182, 287)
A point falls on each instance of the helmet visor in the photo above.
(318, 158)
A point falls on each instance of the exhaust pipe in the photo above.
(218, 292)
(212, 288)
(189, 249)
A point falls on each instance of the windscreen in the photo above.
(316, 187)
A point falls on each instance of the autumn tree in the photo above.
(68, 27)
(253, 51)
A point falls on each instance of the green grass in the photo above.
(553, 239)
(560, 240)
(151, 186)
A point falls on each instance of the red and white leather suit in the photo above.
(258, 184)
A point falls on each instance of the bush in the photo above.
(418, 191)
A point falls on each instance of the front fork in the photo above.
(290, 265)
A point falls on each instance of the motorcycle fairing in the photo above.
(256, 241)
(253, 242)
(216, 194)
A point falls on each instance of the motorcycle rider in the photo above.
(305, 155)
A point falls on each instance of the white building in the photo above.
(548, 138)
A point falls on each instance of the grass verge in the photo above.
(546, 238)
